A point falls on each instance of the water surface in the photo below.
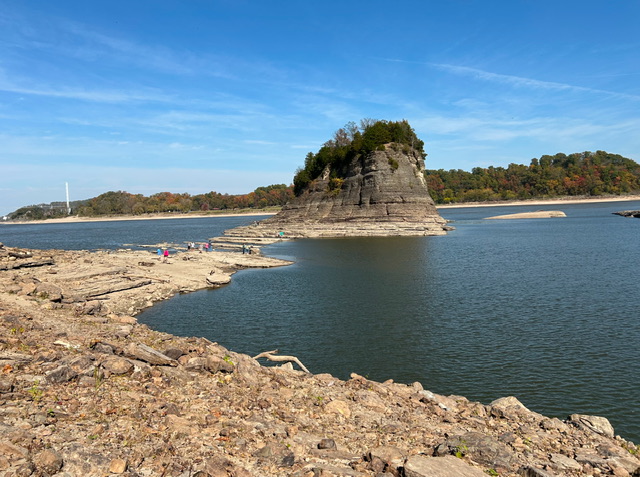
(543, 309)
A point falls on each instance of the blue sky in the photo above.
(228, 95)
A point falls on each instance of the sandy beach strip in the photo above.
(113, 218)
(559, 201)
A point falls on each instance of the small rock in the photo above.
(600, 425)
(10, 450)
(124, 319)
(173, 353)
(6, 385)
(48, 462)
(338, 407)
(48, 291)
(562, 462)
(507, 407)
(530, 471)
(327, 444)
(482, 448)
(82, 365)
(124, 331)
(118, 466)
(278, 454)
(196, 363)
(103, 348)
(179, 424)
(61, 374)
(391, 456)
(215, 364)
(27, 289)
(117, 365)
(146, 353)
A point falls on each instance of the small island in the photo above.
(365, 181)
(629, 213)
(539, 214)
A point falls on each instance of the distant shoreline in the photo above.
(527, 202)
(114, 218)
(559, 201)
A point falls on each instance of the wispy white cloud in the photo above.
(522, 82)
(84, 95)
(259, 142)
(28, 86)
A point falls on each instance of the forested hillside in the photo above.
(579, 174)
(124, 203)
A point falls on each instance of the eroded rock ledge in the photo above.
(86, 390)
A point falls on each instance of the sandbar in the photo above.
(564, 200)
(538, 214)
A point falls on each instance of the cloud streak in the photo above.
(522, 82)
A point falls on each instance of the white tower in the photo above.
(68, 206)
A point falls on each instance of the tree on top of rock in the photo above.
(353, 140)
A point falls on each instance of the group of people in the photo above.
(206, 246)
(163, 254)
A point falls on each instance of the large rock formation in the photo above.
(382, 193)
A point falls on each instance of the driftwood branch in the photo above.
(270, 355)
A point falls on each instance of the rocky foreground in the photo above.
(87, 391)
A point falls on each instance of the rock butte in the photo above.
(384, 193)
(87, 391)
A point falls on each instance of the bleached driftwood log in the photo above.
(271, 356)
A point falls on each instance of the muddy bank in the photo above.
(86, 390)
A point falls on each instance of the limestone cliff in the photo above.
(380, 193)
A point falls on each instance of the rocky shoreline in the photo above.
(86, 390)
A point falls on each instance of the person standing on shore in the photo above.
(159, 253)
(166, 255)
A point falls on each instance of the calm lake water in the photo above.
(543, 309)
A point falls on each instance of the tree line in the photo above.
(125, 203)
(580, 174)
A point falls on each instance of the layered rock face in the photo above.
(383, 193)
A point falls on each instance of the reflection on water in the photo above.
(535, 308)
(117, 234)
